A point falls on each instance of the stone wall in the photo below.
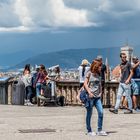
(70, 89)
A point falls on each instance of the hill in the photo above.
(13, 58)
(72, 58)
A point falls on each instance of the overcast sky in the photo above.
(62, 24)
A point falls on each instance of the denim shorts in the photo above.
(135, 87)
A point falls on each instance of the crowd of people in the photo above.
(92, 80)
(36, 83)
(129, 86)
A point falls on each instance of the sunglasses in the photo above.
(124, 57)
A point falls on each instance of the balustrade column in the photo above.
(106, 99)
(74, 94)
(58, 91)
(69, 94)
(64, 93)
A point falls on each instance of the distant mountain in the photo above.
(72, 58)
(11, 59)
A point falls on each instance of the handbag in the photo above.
(83, 96)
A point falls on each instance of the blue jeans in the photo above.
(38, 89)
(29, 93)
(127, 89)
(98, 105)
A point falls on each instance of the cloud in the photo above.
(108, 13)
(54, 13)
(15, 29)
(8, 18)
(41, 14)
(29, 15)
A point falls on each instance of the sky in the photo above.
(53, 25)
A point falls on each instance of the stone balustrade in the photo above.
(109, 97)
(70, 89)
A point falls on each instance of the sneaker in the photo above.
(123, 107)
(41, 97)
(91, 133)
(128, 111)
(102, 133)
(25, 102)
(113, 110)
(29, 103)
(136, 110)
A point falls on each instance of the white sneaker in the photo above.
(30, 104)
(91, 133)
(102, 133)
(25, 102)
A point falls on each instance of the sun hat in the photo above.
(85, 62)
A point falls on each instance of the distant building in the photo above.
(128, 51)
(116, 73)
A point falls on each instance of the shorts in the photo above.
(135, 87)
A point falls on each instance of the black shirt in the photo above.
(103, 70)
(125, 71)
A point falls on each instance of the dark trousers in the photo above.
(28, 95)
(103, 88)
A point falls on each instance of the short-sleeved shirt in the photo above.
(94, 84)
(125, 71)
(82, 78)
(136, 72)
(41, 77)
(27, 80)
(103, 70)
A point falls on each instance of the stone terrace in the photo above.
(63, 123)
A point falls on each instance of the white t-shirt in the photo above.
(82, 78)
(27, 79)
